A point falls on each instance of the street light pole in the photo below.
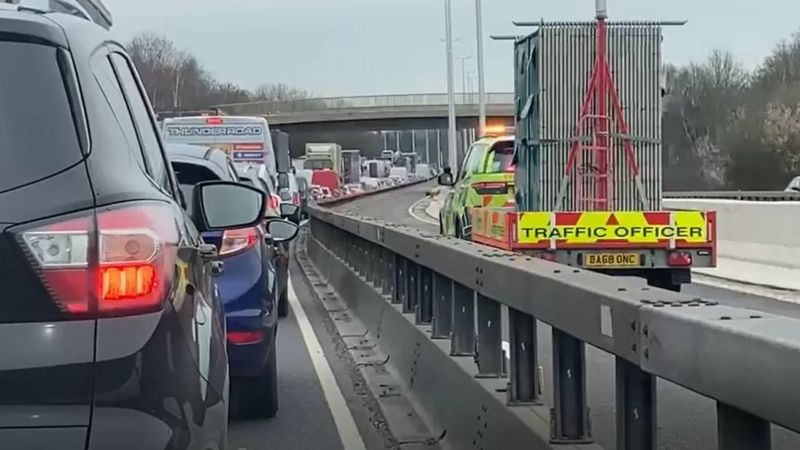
(451, 101)
(464, 79)
(481, 86)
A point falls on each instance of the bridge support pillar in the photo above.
(636, 407)
(570, 417)
(523, 386)
(739, 430)
(463, 341)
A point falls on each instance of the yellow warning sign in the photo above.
(600, 226)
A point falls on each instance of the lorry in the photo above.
(245, 139)
(352, 166)
(376, 168)
(321, 156)
(587, 159)
(409, 161)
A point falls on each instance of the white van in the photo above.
(245, 139)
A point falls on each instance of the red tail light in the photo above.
(215, 121)
(296, 198)
(679, 259)
(491, 188)
(244, 337)
(273, 201)
(116, 262)
(237, 241)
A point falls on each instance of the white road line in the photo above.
(421, 219)
(342, 417)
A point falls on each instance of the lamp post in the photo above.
(481, 86)
(451, 101)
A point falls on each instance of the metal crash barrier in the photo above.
(754, 196)
(434, 300)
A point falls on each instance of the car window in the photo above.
(188, 176)
(232, 171)
(112, 91)
(264, 186)
(37, 131)
(472, 162)
(148, 136)
(500, 158)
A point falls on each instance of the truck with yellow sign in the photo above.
(587, 157)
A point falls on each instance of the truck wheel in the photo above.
(283, 303)
(257, 397)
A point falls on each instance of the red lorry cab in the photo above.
(326, 178)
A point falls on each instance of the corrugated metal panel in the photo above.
(558, 80)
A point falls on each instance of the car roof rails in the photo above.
(91, 10)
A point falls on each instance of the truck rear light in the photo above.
(245, 337)
(215, 121)
(490, 188)
(296, 198)
(117, 261)
(237, 241)
(679, 259)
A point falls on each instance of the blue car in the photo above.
(247, 286)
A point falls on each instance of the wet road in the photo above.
(686, 421)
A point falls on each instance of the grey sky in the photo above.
(353, 47)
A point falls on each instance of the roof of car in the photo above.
(189, 151)
(212, 158)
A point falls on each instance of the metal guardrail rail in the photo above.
(759, 196)
(364, 101)
(745, 360)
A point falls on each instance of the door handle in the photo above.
(208, 251)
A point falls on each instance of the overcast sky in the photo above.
(355, 47)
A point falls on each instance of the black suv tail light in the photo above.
(110, 262)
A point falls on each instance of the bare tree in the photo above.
(279, 93)
(175, 79)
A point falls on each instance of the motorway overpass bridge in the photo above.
(375, 123)
(440, 343)
(379, 112)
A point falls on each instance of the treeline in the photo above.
(726, 127)
(176, 79)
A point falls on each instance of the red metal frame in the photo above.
(601, 89)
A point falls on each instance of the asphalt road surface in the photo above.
(686, 421)
(305, 420)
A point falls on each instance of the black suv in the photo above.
(112, 333)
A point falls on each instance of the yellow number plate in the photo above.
(612, 260)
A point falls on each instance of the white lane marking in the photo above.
(421, 219)
(342, 417)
